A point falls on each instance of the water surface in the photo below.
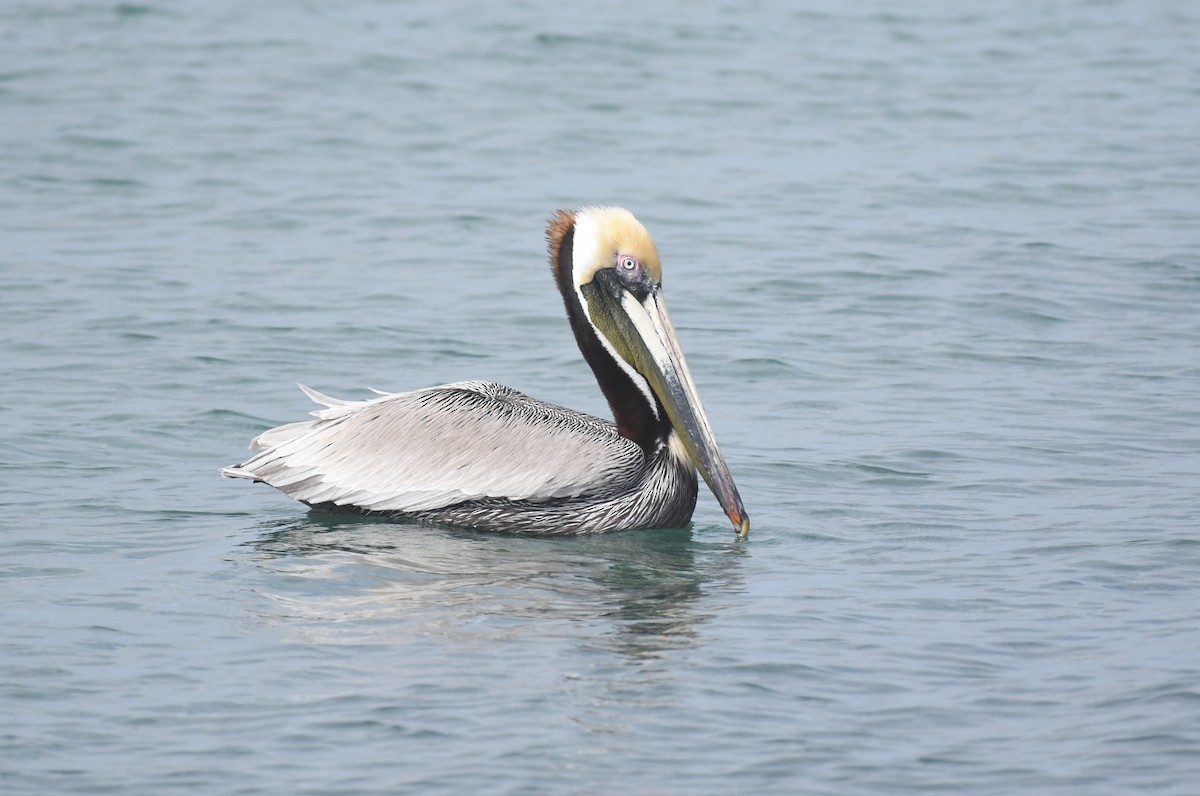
(935, 270)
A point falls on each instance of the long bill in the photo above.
(644, 330)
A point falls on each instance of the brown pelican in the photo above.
(481, 455)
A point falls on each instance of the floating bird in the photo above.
(481, 455)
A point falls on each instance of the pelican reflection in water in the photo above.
(481, 455)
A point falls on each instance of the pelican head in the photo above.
(610, 274)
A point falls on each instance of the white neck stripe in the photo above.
(583, 252)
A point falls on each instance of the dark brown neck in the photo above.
(633, 415)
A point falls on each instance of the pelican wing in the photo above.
(440, 446)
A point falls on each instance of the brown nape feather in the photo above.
(560, 236)
(562, 223)
(634, 418)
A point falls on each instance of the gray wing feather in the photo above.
(439, 446)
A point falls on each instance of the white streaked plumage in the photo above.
(440, 446)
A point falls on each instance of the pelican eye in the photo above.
(631, 276)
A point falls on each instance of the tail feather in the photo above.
(236, 471)
(322, 398)
(277, 436)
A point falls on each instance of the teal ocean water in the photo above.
(936, 270)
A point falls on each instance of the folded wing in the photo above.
(436, 447)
